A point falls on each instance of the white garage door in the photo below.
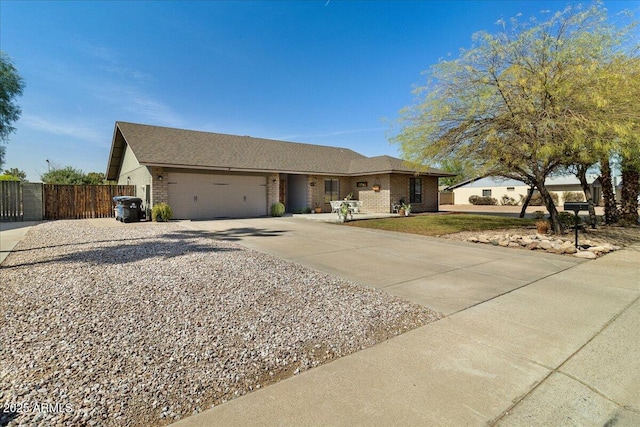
(203, 196)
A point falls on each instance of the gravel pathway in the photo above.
(143, 324)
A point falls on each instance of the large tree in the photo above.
(67, 175)
(514, 103)
(611, 130)
(72, 176)
(463, 169)
(628, 148)
(630, 189)
(20, 175)
(94, 178)
(11, 86)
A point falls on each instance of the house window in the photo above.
(331, 190)
(511, 188)
(415, 190)
(486, 193)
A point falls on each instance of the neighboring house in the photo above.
(210, 175)
(498, 187)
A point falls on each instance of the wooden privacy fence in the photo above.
(82, 201)
(11, 201)
(447, 198)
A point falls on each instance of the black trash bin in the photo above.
(129, 209)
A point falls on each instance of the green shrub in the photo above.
(543, 227)
(567, 219)
(508, 201)
(7, 177)
(161, 212)
(482, 200)
(536, 199)
(538, 214)
(277, 209)
(573, 196)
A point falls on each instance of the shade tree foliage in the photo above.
(72, 176)
(530, 100)
(11, 86)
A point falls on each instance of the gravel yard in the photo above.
(619, 236)
(143, 324)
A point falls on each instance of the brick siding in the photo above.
(159, 187)
(373, 201)
(273, 190)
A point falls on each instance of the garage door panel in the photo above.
(201, 196)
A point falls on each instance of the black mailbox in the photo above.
(576, 206)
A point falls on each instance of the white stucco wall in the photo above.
(462, 194)
(500, 188)
(133, 173)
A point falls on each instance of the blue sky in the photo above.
(322, 72)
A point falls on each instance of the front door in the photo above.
(283, 191)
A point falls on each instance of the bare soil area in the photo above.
(617, 236)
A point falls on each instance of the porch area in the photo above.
(333, 217)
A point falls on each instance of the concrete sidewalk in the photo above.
(558, 350)
(10, 234)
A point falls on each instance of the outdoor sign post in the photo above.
(576, 207)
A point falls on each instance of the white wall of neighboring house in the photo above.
(462, 194)
(494, 187)
(497, 187)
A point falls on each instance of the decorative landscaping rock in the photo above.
(599, 249)
(585, 254)
(568, 248)
(561, 245)
(483, 238)
(546, 245)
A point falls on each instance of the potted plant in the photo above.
(345, 210)
(406, 209)
(317, 208)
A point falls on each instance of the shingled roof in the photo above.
(169, 147)
(388, 164)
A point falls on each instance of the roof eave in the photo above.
(236, 169)
(293, 172)
(404, 172)
(116, 154)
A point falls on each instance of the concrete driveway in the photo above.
(444, 275)
(540, 344)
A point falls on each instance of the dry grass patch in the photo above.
(442, 224)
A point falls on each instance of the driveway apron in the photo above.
(445, 275)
